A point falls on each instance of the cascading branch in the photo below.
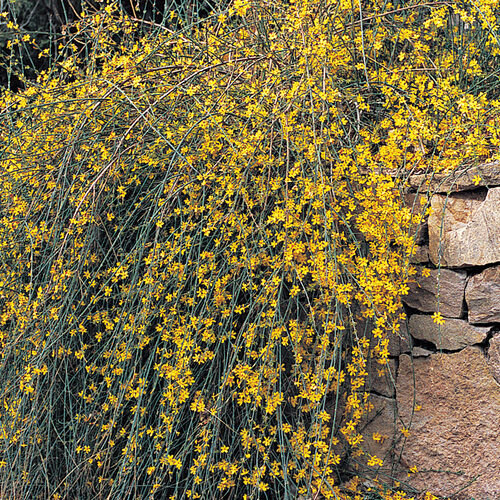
(193, 226)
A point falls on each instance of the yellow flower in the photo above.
(375, 461)
(430, 496)
(240, 7)
(438, 318)
(426, 272)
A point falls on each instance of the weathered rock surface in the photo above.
(398, 344)
(494, 356)
(462, 179)
(380, 420)
(464, 228)
(483, 296)
(427, 293)
(382, 378)
(421, 255)
(458, 426)
(420, 352)
(453, 335)
(417, 203)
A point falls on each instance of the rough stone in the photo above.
(453, 335)
(455, 437)
(380, 420)
(464, 228)
(494, 356)
(382, 378)
(421, 255)
(420, 352)
(417, 203)
(462, 179)
(448, 284)
(398, 344)
(483, 296)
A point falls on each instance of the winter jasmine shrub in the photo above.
(203, 240)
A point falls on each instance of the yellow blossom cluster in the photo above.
(203, 240)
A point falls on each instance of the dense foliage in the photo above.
(203, 239)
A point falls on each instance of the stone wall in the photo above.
(443, 381)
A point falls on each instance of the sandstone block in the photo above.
(483, 296)
(457, 428)
(398, 342)
(494, 356)
(421, 255)
(453, 335)
(417, 203)
(382, 378)
(464, 228)
(444, 288)
(380, 420)
(420, 352)
(461, 179)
